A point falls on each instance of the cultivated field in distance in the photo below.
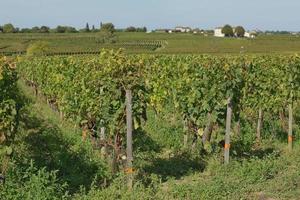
(154, 43)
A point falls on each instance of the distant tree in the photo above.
(8, 28)
(87, 27)
(227, 31)
(130, 29)
(70, 29)
(60, 29)
(1, 29)
(93, 28)
(35, 29)
(108, 27)
(143, 29)
(239, 31)
(44, 29)
(65, 29)
(134, 29)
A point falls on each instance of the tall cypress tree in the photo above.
(87, 27)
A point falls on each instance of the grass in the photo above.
(55, 145)
(175, 43)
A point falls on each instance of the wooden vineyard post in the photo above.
(207, 130)
(228, 130)
(185, 140)
(290, 132)
(238, 127)
(102, 139)
(129, 169)
(186, 134)
(259, 125)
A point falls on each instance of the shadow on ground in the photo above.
(48, 147)
(240, 150)
(175, 166)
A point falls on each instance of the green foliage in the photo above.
(165, 128)
(183, 90)
(227, 30)
(91, 92)
(44, 29)
(119, 190)
(87, 28)
(39, 48)
(108, 28)
(8, 28)
(243, 179)
(131, 29)
(134, 29)
(8, 108)
(239, 31)
(65, 29)
(134, 42)
(32, 183)
(61, 160)
(196, 86)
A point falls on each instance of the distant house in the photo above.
(218, 32)
(294, 33)
(183, 29)
(197, 31)
(250, 34)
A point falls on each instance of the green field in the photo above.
(161, 43)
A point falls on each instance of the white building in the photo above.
(250, 35)
(183, 29)
(218, 32)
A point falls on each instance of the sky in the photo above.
(206, 14)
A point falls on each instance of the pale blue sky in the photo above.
(253, 14)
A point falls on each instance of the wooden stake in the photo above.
(238, 127)
(207, 130)
(129, 169)
(186, 134)
(102, 139)
(259, 125)
(290, 133)
(228, 130)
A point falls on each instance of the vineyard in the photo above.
(226, 105)
(150, 43)
(77, 44)
(202, 88)
(8, 110)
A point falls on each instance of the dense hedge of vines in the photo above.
(90, 90)
(8, 109)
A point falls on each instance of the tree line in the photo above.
(104, 27)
